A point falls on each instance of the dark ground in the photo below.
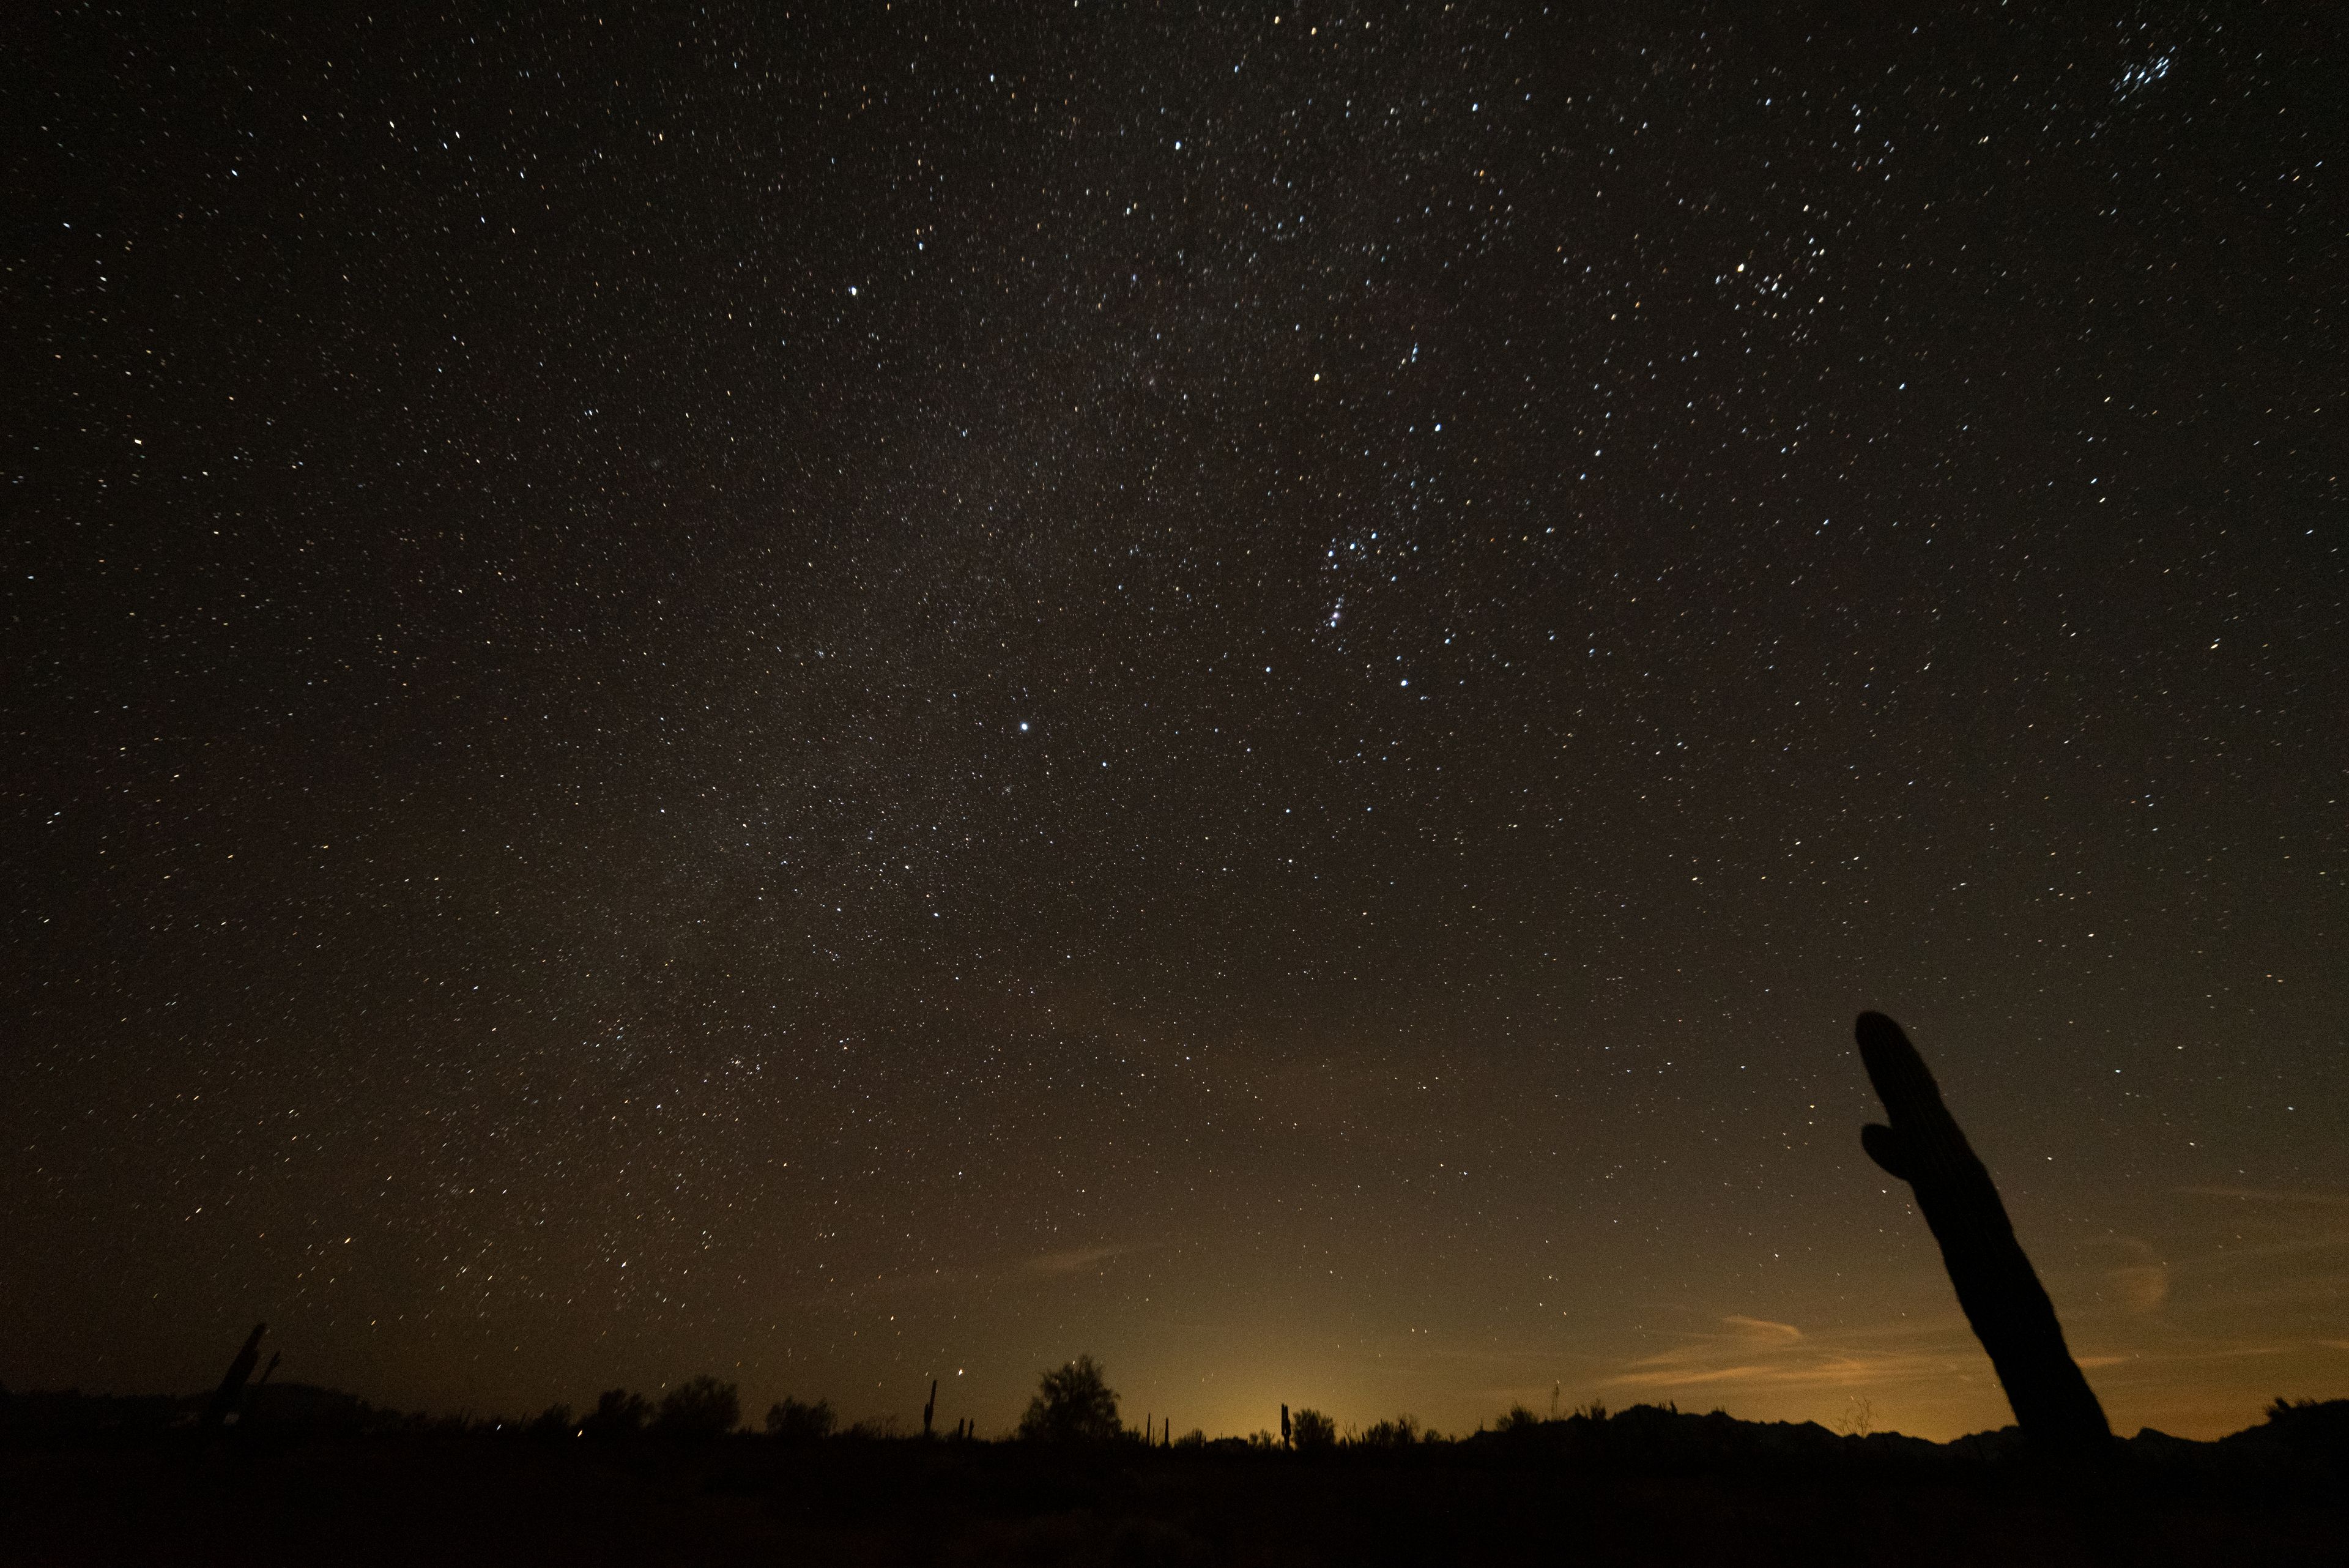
(478, 1499)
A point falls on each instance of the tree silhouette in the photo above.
(1073, 1405)
(699, 1411)
(617, 1414)
(555, 1421)
(1312, 1429)
(795, 1422)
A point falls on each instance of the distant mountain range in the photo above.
(2310, 1437)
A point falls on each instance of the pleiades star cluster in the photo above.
(878, 691)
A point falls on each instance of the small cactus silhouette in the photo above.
(230, 1395)
(2004, 1301)
(931, 1408)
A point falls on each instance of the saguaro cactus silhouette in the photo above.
(931, 1408)
(2002, 1298)
(231, 1392)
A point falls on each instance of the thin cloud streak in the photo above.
(2268, 1195)
(1843, 1371)
(1077, 1259)
(1762, 1328)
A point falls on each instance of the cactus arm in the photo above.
(1883, 1146)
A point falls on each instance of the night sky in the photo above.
(894, 693)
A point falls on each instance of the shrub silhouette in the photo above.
(1073, 1405)
(2319, 1428)
(1310, 1429)
(617, 1414)
(699, 1411)
(555, 1421)
(1400, 1433)
(794, 1422)
(1516, 1418)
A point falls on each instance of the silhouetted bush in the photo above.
(1516, 1418)
(1072, 1405)
(2310, 1428)
(1310, 1429)
(699, 1411)
(1400, 1433)
(617, 1414)
(2313, 1423)
(288, 1410)
(794, 1422)
(555, 1421)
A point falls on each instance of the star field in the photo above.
(894, 692)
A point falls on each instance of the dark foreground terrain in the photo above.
(1647, 1486)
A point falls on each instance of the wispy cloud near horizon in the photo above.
(1762, 1328)
(1077, 1260)
(2268, 1195)
(1756, 1353)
